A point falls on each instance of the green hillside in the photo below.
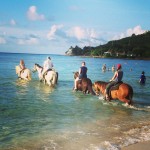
(135, 46)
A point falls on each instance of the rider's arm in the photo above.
(80, 71)
(115, 75)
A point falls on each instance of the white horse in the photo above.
(24, 74)
(50, 78)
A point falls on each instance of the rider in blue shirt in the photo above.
(82, 74)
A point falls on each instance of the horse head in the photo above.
(99, 87)
(96, 89)
(76, 74)
(36, 67)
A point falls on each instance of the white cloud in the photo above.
(2, 40)
(136, 30)
(52, 32)
(33, 15)
(77, 32)
(12, 22)
(81, 33)
(30, 41)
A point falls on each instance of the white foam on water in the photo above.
(146, 108)
(106, 145)
(130, 137)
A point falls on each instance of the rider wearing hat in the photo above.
(118, 75)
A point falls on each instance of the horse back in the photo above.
(128, 88)
(86, 81)
(124, 90)
(86, 85)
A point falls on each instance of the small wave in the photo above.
(145, 108)
(130, 137)
(115, 103)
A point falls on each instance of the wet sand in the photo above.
(138, 146)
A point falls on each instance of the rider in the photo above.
(118, 75)
(142, 78)
(47, 65)
(82, 74)
(22, 66)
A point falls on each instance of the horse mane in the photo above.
(101, 82)
(76, 74)
(38, 65)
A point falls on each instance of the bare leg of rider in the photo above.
(75, 83)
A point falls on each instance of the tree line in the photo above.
(135, 46)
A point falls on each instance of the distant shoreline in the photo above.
(78, 56)
(109, 57)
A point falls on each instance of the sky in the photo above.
(53, 26)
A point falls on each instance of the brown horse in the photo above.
(124, 92)
(84, 85)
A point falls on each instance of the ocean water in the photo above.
(34, 116)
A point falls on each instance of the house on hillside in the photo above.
(107, 53)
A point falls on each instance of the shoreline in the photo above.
(145, 145)
(84, 56)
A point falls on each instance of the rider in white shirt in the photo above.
(47, 65)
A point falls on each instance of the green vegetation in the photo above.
(136, 46)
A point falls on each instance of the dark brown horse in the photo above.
(84, 85)
(124, 92)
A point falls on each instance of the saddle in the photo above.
(46, 72)
(22, 71)
(115, 87)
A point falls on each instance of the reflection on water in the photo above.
(45, 89)
(35, 116)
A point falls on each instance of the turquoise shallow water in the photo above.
(34, 116)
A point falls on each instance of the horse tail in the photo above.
(29, 74)
(54, 78)
(131, 95)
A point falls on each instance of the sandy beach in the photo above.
(138, 146)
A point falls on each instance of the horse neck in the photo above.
(39, 69)
(103, 87)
